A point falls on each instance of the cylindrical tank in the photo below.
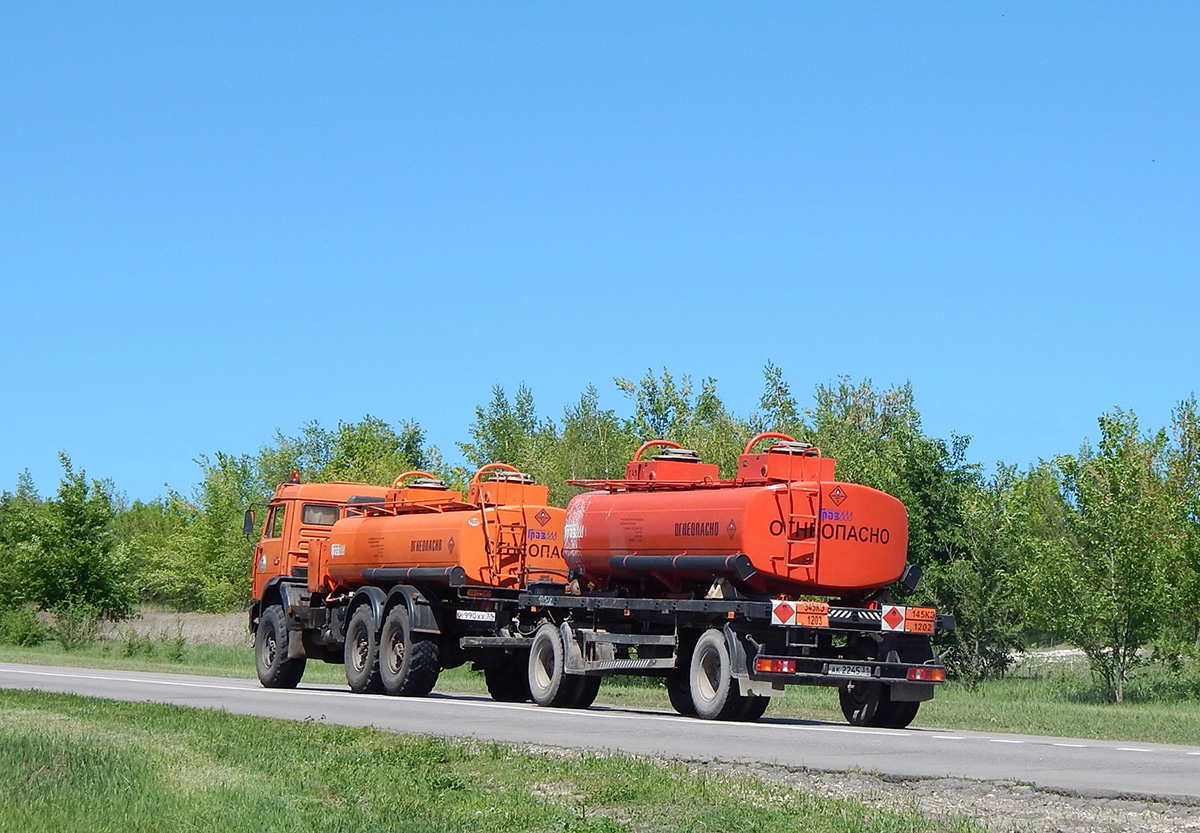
(815, 536)
(504, 536)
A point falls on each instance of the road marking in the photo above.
(1192, 753)
(1071, 745)
(949, 737)
(1132, 749)
(1003, 740)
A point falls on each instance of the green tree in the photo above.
(1106, 586)
(1185, 486)
(63, 555)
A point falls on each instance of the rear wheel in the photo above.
(679, 692)
(586, 689)
(362, 653)
(714, 690)
(408, 664)
(753, 708)
(549, 683)
(509, 683)
(271, 641)
(871, 704)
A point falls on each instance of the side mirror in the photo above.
(248, 523)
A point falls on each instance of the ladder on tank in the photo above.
(504, 535)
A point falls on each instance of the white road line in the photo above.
(1132, 749)
(1071, 745)
(948, 737)
(1003, 740)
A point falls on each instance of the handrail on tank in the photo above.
(775, 435)
(490, 466)
(651, 443)
(399, 481)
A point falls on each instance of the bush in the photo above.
(20, 626)
(76, 625)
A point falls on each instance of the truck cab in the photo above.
(299, 516)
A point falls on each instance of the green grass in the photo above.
(79, 764)
(1041, 699)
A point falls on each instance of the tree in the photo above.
(504, 432)
(1106, 586)
(62, 553)
(1185, 486)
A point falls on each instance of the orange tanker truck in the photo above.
(730, 589)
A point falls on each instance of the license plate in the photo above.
(476, 615)
(845, 669)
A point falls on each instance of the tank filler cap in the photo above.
(427, 483)
(678, 455)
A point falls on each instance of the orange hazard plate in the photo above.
(920, 619)
(813, 614)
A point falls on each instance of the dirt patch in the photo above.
(1000, 806)
(197, 628)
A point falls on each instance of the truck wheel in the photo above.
(863, 703)
(586, 689)
(362, 653)
(753, 708)
(271, 638)
(710, 677)
(549, 684)
(679, 692)
(509, 683)
(899, 714)
(408, 665)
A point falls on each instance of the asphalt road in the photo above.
(1086, 767)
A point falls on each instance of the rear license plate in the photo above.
(845, 669)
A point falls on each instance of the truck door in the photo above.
(268, 554)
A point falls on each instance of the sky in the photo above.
(220, 220)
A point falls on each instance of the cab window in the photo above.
(273, 528)
(319, 515)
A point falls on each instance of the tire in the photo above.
(362, 653)
(871, 704)
(271, 640)
(679, 692)
(710, 677)
(408, 665)
(900, 714)
(586, 689)
(509, 683)
(753, 708)
(549, 684)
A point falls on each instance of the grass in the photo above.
(1046, 698)
(80, 764)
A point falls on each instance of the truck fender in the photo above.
(271, 596)
(420, 612)
(372, 596)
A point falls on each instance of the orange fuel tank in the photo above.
(782, 525)
(502, 535)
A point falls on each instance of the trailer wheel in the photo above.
(408, 665)
(714, 691)
(679, 692)
(586, 689)
(271, 638)
(549, 684)
(509, 683)
(900, 714)
(362, 653)
(753, 708)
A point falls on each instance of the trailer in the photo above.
(729, 590)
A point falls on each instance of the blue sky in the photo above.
(217, 221)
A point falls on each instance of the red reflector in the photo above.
(775, 666)
(927, 675)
